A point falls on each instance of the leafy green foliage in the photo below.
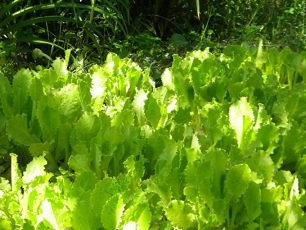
(219, 145)
(278, 22)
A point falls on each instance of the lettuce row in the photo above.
(219, 145)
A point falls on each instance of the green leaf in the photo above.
(252, 201)
(15, 173)
(98, 91)
(180, 214)
(37, 149)
(294, 217)
(178, 132)
(36, 89)
(17, 129)
(144, 218)
(79, 162)
(112, 212)
(47, 113)
(60, 68)
(139, 104)
(48, 78)
(21, 90)
(152, 111)
(241, 119)
(270, 215)
(139, 213)
(167, 79)
(84, 216)
(237, 181)
(6, 96)
(178, 40)
(218, 166)
(262, 164)
(164, 163)
(88, 126)
(199, 180)
(135, 168)
(34, 169)
(268, 135)
(133, 77)
(102, 192)
(84, 182)
(5, 224)
(48, 214)
(62, 145)
(69, 101)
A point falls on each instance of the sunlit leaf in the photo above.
(241, 118)
(112, 212)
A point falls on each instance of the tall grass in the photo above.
(63, 25)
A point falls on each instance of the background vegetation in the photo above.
(149, 31)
